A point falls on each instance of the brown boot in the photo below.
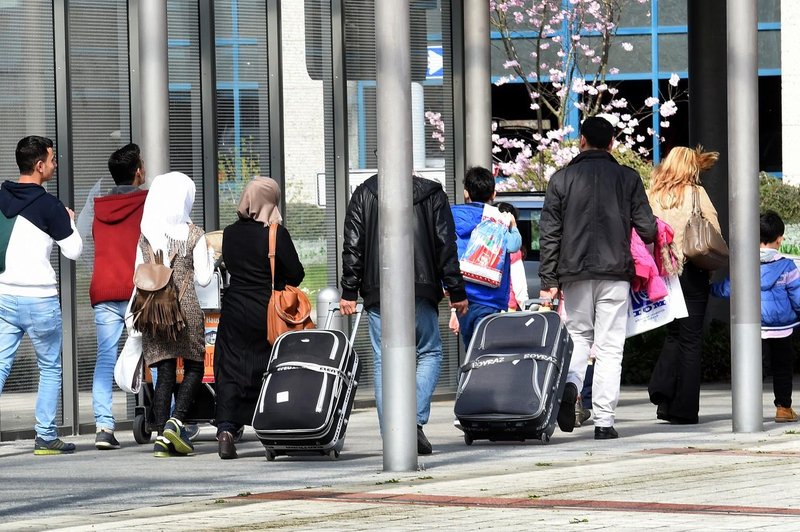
(785, 414)
(227, 449)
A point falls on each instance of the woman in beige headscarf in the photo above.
(241, 351)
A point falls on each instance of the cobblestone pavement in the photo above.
(687, 477)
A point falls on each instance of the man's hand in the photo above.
(460, 306)
(548, 295)
(347, 307)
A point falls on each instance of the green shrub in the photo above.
(779, 197)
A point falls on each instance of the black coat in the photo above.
(585, 229)
(435, 252)
(241, 351)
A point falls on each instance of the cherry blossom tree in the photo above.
(559, 50)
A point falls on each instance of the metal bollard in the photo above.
(329, 296)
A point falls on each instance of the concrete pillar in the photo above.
(154, 86)
(398, 345)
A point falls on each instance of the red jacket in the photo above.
(116, 233)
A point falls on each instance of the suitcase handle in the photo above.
(333, 308)
(537, 303)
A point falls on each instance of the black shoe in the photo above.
(104, 440)
(566, 411)
(605, 433)
(423, 445)
(227, 449)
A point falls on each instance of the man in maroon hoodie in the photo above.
(116, 232)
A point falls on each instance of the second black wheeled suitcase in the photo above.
(512, 380)
(308, 392)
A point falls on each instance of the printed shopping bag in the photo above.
(484, 258)
(645, 315)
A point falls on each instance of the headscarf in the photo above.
(167, 210)
(260, 200)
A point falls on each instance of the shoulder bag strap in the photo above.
(696, 201)
(273, 234)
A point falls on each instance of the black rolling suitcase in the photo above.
(512, 380)
(308, 391)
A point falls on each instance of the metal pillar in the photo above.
(746, 384)
(208, 103)
(154, 86)
(477, 84)
(393, 50)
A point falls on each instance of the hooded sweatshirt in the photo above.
(116, 234)
(467, 217)
(780, 294)
(32, 220)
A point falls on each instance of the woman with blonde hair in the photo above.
(241, 352)
(675, 382)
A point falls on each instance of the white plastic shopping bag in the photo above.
(130, 363)
(645, 315)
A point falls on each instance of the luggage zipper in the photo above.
(322, 391)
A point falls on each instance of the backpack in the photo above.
(156, 306)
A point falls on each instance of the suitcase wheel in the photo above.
(545, 437)
(270, 455)
(333, 455)
(140, 432)
(468, 439)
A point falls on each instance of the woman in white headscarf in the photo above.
(167, 227)
(241, 351)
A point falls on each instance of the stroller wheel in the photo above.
(140, 432)
(270, 455)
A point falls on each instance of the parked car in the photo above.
(529, 205)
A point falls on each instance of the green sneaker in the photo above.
(163, 448)
(42, 447)
(176, 433)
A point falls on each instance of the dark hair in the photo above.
(479, 184)
(123, 164)
(771, 227)
(30, 151)
(502, 206)
(597, 131)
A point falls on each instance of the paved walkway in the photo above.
(700, 477)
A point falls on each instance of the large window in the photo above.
(242, 98)
(27, 107)
(100, 98)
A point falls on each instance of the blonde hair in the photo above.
(680, 169)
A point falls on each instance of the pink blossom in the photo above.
(664, 124)
(650, 102)
(627, 46)
(613, 70)
(510, 64)
(674, 79)
(668, 108)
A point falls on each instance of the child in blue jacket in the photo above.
(483, 300)
(780, 308)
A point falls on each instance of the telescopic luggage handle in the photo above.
(536, 304)
(334, 308)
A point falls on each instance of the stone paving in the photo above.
(656, 476)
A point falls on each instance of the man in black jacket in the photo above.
(589, 210)
(435, 264)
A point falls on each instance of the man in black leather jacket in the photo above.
(435, 264)
(585, 229)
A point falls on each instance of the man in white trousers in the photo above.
(589, 210)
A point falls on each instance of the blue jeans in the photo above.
(40, 318)
(109, 320)
(429, 356)
(469, 321)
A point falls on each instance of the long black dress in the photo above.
(241, 350)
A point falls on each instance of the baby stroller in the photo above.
(204, 406)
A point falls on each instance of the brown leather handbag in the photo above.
(703, 246)
(289, 309)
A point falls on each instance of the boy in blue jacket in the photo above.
(483, 300)
(780, 307)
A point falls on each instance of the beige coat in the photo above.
(678, 217)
